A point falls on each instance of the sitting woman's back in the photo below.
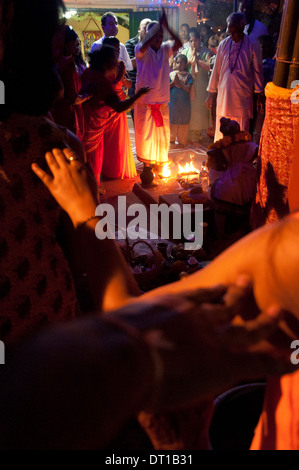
(36, 286)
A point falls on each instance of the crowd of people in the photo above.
(185, 98)
(83, 376)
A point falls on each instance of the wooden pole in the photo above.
(294, 67)
(285, 44)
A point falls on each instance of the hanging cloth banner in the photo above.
(90, 36)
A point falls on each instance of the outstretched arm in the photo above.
(120, 106)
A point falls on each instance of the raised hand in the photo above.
(72, 184)
(163, 20)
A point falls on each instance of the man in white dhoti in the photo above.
(236, 76)
(152, 134)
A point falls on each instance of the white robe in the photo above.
(259, 29)
(235, 89)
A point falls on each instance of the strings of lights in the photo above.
(185, 4)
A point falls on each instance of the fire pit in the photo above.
(187, 174)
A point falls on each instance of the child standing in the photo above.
(179, 106)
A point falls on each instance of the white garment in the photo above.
(235, 89)
(123, 53)
(258, 30)
(152, 142)
(153, 72)
(184, 46)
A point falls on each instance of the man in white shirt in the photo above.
(110, 27)
(253, 28)
(236, 76)
(152, 131)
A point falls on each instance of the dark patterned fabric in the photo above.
(36, 286)
(130, 46)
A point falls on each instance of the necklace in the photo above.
(230, 46)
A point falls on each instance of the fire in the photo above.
(166, 171)
(187, 169)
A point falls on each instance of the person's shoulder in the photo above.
(261, 25)
(99, 41)
(250, 42)
(167, 45)
(132, 41)
(138, 46)
(97, 45)
(223, 43)
(205, 51)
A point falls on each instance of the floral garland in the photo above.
(227, 140)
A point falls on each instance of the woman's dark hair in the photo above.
(28, 25)
(183, 57)
(70, 34)
(102, 59)
(195, 33)
(111, 41)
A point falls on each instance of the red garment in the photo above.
(156, 113)
(106, 138)
(97, 117)
(118, 160)
(65, 112)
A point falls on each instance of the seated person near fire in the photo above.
(231, 160)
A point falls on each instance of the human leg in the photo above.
(182, 134)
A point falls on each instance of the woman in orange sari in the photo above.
(118, 160)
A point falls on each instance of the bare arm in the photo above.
(119, 106)
(163, 23)
(204, 64)
(173, 35)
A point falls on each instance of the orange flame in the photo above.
(166, 171)
(187, 169)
